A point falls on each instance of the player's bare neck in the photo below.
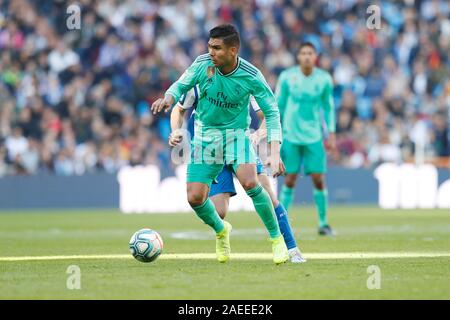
(306, 71)
(230, 67)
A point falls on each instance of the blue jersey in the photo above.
(189, 101)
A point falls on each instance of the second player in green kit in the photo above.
(304, 95)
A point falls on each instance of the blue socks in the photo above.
(285, 227)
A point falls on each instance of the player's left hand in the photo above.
(330, 143)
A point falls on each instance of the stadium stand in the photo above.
(77, 101)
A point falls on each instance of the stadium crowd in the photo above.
(77, 101)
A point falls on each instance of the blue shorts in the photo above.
(224, 182)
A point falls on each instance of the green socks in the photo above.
(207, 212)
(321, 201)
(286, 196)
(264, 208)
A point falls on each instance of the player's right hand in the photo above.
(276, 165)
(175, 138)
(162, 104)
(281, 170)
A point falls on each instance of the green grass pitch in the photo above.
(90, 233)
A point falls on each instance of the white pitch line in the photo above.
(241, 256)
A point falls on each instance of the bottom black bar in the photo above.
(227, 309)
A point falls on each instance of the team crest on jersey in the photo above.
(238, 89)
(210, 72)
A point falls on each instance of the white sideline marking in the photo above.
(242, 256)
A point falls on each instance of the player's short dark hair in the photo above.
(228, 33)
(307, 44)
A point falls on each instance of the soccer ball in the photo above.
(146, 245)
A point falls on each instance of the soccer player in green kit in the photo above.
(302, 91)
(226, 82)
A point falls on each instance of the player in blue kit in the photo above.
(222, 189)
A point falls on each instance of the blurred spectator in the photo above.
(62, 58)
(384, 150)
(440, 136)
(16, 144)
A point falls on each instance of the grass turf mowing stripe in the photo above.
(242, 256)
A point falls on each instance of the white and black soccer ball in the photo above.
(146, 245)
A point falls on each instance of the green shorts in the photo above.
(312, 156)
(210, 153)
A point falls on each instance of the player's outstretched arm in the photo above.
(329, 114)
(282, 93)
(260, 134)
(185, 83)
(267, 102)
(176, 122)
(187, 80)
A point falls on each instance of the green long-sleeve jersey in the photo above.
(300, 100)
(224, 99)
